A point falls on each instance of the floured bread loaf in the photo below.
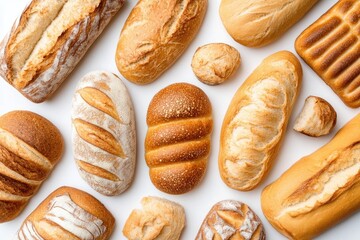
(104, 136)
(256, 121)
(231, 220)
(319, 190)
(70, 214)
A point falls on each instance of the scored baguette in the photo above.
(48, 40)
(319, 190)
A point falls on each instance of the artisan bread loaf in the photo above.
(30, 147)
(154, 36)
(319, 190)
(104, 136)
(177, 144)
(257, 23)
(331, 47)
(68, 213)
(256, 121)
(48, 40)
(231, 220)
(158, 219)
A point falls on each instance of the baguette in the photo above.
(319, 190)
(258, 23)
(177, 144)
(48, 40)
(155, 35)
(104, 136)
(331, 47)
(30, 147)
(68, 213)
(256, 121)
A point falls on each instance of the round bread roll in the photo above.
(214, 63)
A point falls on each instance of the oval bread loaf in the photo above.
(154, 36)
(104, 136)
(257, 23)
(68, 213)
(319, 190)
(177, 144)
(30, 147)
(256, 121)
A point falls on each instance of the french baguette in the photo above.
(256, 121)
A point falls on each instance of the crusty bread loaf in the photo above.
(155, 35)
(214, 63)
(231, 220)
(30, 147)
(257, 23)
(331, 47)
(177, 144)
(68, 213)
(159, 219)
(256, 121)
(104, 136)
(48, 40)
(317, 118)
(319, 190)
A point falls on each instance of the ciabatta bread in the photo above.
(256, 121)
(155, 35)
(159, 219)
(48, 40)
(177, 144)
(68, 213)
(30, 147)
(331, 47)
(104, 136)
(319, 190)
(257, 23)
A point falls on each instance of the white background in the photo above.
(211, 190)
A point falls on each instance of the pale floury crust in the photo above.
(215, 63)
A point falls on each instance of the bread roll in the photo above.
(159, 219)
(155, 35)
(231, 220)
(30, 147)
(214, 63)
(70, 214)
(258, 23)
(104, 136)
(331, 47)
(319, 190)
(48, 40)
(317, 118)
(177, 144)
(256, 121)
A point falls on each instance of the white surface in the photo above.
(211, 190)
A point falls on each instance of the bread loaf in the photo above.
(48, 40)
(104, 136)
(177, 144)
(30, 147)
(70, 214)
(331, 47)
(319, 190)
(231, 220)
(159, 219)
(256, 121)
(154, 36)
(257, 23)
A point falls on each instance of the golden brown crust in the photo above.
(331, 47)
(150, 44)
(177, 143)
(319, 190)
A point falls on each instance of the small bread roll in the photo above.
(214, 63)
(158, 219)
(317, 117)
